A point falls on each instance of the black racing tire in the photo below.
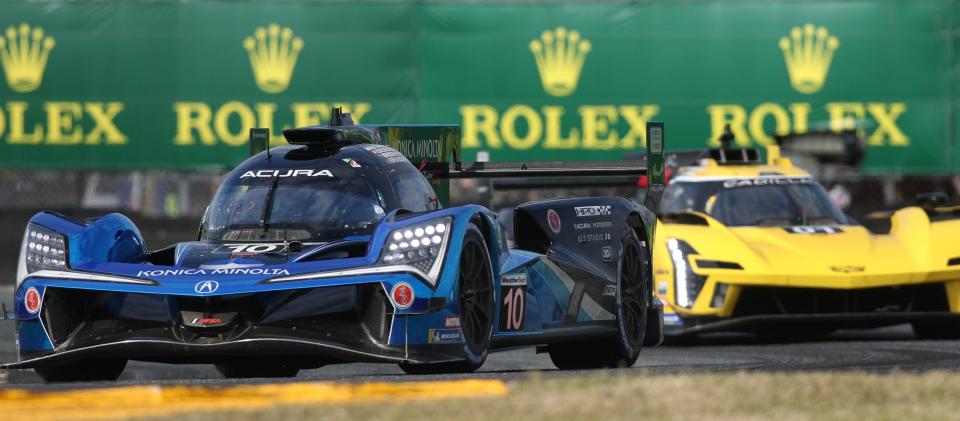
(632, 301)
(257, 369)
(84, 371)
(936, 330)
(475, 289)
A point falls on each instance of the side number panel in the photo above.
(513, 302)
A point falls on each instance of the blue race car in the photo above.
(337, 249)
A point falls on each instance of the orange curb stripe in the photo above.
(143, 401)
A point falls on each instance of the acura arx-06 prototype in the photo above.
(756, 245)
(336, 249)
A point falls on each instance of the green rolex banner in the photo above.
(179, 84)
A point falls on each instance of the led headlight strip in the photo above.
(418, 249)
(418, 245)
(45, 249)
(687, 284)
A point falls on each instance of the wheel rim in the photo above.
(632, 307)
(475, 294)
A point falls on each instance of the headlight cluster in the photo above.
(687, 283)
(418, 246)
(44, 249)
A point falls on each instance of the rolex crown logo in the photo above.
(24, 53)
(808, 52)
(559, 55)
(273, 54)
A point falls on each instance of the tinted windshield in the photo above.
(764, 201)
(303, 211)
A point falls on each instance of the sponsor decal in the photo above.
(418, 149)
(814, 230)
(610, 290)
(254, 248)
(672, 319)
(452, 322)
(602, 210)
(656, 173)
(351, 162)
(402, 295)
(273, 55)
(592, 225)
(589, 238)
(200, 319)
(847, 269)
(202, 272)
(513, 279)
(606, 253)
(206, 287)
(553, 219)
(766, 181)
(513, 302)
(286, 173)
(206, 321)
(662, 287)
(31, 300)
(439, 336)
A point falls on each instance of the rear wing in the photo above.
(847, 147)
(652, 166)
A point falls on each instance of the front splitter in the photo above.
(162, 350)
(795, 321)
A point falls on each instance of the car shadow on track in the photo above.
(891, 333)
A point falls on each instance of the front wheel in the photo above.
(623, 349)
(84, 371)
(475, 287)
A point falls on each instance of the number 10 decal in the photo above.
(513, 302)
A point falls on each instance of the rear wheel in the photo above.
(936, 330)
(257, 369)
(475, 287)
(623, 349)
(84, 371)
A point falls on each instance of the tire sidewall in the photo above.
(477, 354)
(628, 352)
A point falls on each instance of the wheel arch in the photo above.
(635, 222)
(488, 229)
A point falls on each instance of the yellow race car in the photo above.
(756, 245)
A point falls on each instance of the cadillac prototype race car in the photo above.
(336, 249)
(745, 244)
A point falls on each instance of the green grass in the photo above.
(737, 396)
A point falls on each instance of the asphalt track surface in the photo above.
(877, 350)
